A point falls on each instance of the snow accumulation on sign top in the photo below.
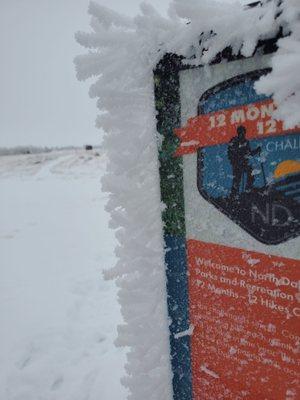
(230, 180)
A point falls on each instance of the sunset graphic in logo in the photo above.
(287, 167)
(287, 180)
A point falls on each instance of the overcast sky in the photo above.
(41, 101)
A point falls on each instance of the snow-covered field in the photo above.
(58, 315)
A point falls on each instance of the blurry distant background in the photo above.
(42, 103)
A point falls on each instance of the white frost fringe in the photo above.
(284, 80)
(122, 54)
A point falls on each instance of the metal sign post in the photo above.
(230, 180)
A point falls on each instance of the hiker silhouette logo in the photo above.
(248, 164)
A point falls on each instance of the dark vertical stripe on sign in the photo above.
(166, 81)
(178, 305)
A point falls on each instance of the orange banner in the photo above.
(245, 313)
(220, 127)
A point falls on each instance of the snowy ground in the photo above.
(58, 316)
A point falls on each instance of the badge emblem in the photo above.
(248, 165)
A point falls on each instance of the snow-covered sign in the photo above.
(230, 254)
(230, 181)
